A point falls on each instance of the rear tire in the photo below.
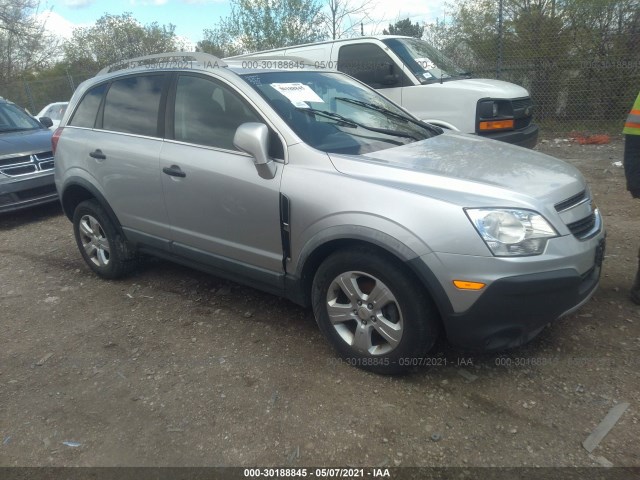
(102, 246)
(373, 311)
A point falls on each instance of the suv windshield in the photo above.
(334, 113)
(13, 119)
(425, 61)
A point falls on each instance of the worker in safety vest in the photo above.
(632, 172)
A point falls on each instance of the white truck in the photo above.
(418, 77)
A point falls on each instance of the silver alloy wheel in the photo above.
(94, 241)
(365, 313)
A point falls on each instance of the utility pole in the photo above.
(500, 35)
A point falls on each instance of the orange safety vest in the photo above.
(632, 125)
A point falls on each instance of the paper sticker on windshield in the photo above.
(425, 63)
(297, 93)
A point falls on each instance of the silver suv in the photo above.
(312, 186)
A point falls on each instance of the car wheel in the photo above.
(101, 245)
(372, 311)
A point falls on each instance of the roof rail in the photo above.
(254, 57)
(202, 61)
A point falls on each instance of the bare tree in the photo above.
(25, 44)
(343, 18)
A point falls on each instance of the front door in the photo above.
(220, 209)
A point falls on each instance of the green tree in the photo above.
(117, 37)
(405, 27)
(578, 58)
(255, 25)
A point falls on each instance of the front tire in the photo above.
(373, 311)
(100, 243)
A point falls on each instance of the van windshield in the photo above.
(336, 114)
(425, 61)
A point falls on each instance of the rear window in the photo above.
(132, 105)
(85, 114)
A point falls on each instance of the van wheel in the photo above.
(101, 245)
(372, 311)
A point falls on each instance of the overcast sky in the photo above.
(191, 17)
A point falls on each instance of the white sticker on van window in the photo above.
(297, 93)
(425, 63)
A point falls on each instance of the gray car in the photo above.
(312, 186)
(26, 160)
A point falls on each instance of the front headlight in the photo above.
(488, 109)
(511, 232)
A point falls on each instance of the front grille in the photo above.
(580, 206)
(571, 201)
(41, 157)
(582, 228)
(521, 103)
(12, 161)
(26, 164)
(520, 116)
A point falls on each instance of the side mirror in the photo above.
(46, 121)
(253, 138)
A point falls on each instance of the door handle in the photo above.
(174, 171)
(97, 154)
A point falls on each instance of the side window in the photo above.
(370, 64)
(85, 114)
(56, 112)
(208, 113)
(132, 105)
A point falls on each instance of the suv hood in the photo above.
(25, 142)
(463, 159)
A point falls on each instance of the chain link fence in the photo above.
(34, 95)
(569, 92)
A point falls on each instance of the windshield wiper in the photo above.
(386, 111)
(352, 123)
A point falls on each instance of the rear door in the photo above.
(120, 148)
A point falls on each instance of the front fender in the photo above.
(357, 233)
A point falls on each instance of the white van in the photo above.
(417, 76)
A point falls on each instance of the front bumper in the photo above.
(527, 137)
(514, 310)
(26, 192)
(522, 295)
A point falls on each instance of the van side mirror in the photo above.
(253, 138)
(46, 122)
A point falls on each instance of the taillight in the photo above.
(54, 139)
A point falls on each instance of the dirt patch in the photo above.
(174, 367)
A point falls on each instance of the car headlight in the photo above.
(511, 232)
(488, 109)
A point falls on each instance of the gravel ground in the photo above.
(171, 367)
